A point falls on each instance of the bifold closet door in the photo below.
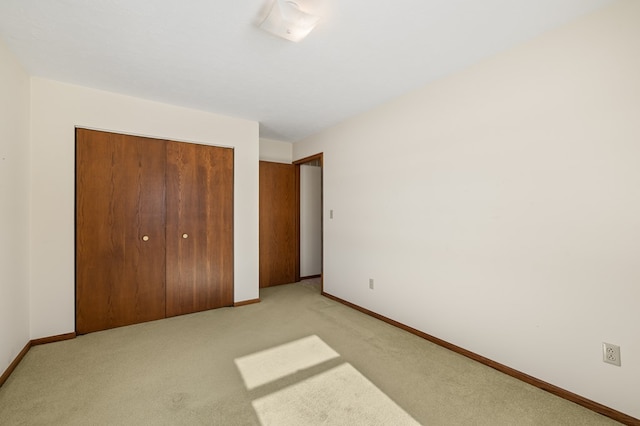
(120, 230)
(199, 227)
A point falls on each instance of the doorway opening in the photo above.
(309, 176)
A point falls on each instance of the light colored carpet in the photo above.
(340, 396)
(184, 371)
(275, 363)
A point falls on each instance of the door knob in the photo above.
(145, 238)
(185, 236)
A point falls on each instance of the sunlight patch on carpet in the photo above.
(340, 396)
(275, 363)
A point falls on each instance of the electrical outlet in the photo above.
(611, 354)
(371, 283)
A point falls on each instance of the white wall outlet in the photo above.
(611, 354)
(371, 283)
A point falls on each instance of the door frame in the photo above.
(312, 158)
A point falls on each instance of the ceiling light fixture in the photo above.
(286, 20)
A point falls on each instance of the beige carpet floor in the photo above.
(350, 369)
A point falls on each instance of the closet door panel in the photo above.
(199, 227)
(120, 230)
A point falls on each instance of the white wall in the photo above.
(14, 208)
(56, 109)
(499, 208)
(310, 220)
(275, 151)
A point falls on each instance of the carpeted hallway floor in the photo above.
(186, 371)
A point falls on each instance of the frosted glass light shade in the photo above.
(286, 20)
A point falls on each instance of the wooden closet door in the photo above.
(199, 227)
(279, 206)
(120, 230)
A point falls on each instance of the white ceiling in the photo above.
(209, 54)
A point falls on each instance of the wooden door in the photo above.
(199, 227)
(278, 224)
(120, 230)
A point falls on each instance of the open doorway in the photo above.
(309, 172)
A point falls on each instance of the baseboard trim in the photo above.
(555, 390)
(246, 302)
(30, 343)
(52, 339)
(15, 363)
(308, 277)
